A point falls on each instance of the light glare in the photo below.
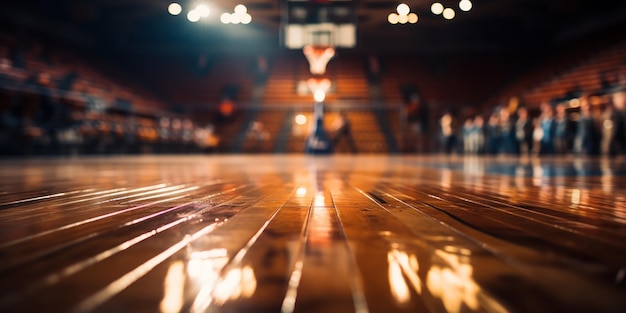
(301, 120)
(436, 8)
(403, 9)
(393, 18)
(174, 8)
(241, 9)
(448, 13)
(246, 18)
(465, 5)
(412, 18)
(193, 16)
(319, 95)
(235, 18)
(203, 10)
(403, 19)
(225, 18)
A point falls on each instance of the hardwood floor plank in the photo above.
(298, 233)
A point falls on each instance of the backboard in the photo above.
(319, 23)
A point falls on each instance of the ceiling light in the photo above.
(193, 16)
(203, 10)
(412, 18)
(465, 5)
(225, 18)
(393, 18)
(436, 8)
(448, 13)
(403, 19)
(403, 9)
(241, 9)
(246, 18)
(235, 18)
(174, 8)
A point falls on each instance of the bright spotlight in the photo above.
(393, 18)
(241, 9)
(235, 18)
(319, 95)
(448, 13)
(300, 119)
(203, 10)
(403, 9)
(193, 16)
(246, 18)
(412, 18)
(403, 19)
(436, 8)
(225, 18)
(465, 5)
(174, 8)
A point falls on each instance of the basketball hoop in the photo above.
(318, 57)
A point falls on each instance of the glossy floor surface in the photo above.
(312, 234)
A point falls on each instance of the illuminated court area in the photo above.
(298, 233)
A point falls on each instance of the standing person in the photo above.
(609, 127)
(585, 130)
(448, 132)
(537, 136)
(493, 134)
(165, 135)
(523, 132)
(342, 128)
(417, 118)
(547, 125)
(258, 134)
(507, 132)
(468, 144)
(619, 103)
(478, 134)
(562, 130)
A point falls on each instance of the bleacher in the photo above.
(275, 100)
(590, 67)
(584, 77)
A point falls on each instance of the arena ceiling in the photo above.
(145, 25)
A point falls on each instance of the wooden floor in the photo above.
(312, 234)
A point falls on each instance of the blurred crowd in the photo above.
(54, 102)
(55, 128)
(578, 126)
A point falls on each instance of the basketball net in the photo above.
(315, 84)
(318, 57)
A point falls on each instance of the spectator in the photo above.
(477, 136)
(562, 131)
(608, 126)
(547, 125)
(341, 128)
(584, 142)
(493, 134)
(448, 132)
(258, 134)
(467, 129)
(508, 140)
(417, 117)
(619, 103)
(523, 132)
(537, 136)
(165, 134)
